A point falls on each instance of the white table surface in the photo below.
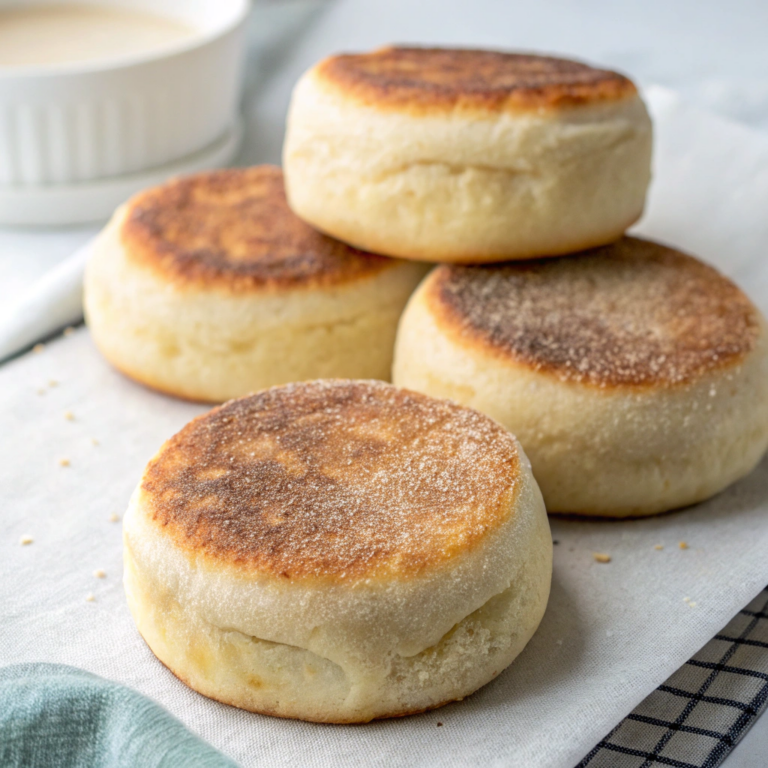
(712, 52)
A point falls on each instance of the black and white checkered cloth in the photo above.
(700, 713)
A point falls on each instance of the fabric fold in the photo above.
(64, 717)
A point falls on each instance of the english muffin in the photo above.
(209, 288)
(635, 376)
(337, 551)
(466, 155)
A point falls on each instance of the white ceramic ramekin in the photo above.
(82, 122)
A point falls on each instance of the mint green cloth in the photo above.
(61, 717)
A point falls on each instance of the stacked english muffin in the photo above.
(209, 288)
(340, 549)
(466, 156)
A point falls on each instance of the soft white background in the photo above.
(624, 627)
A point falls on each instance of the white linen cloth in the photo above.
(611, 634)
(53, 302)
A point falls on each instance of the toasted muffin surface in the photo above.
(233, 230)
(632, 313)
(424, 80)
(339, 480)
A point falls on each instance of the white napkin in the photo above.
(54, 302)
(710, 190)
(612, 632)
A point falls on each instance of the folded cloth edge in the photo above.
(57, 715)
(53, 302)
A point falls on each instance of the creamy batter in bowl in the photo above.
(102, 89)
(65, 34)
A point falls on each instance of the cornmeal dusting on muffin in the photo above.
(601, 557)
(339, 478)
(630, 313)
(420, 80)
(25, 540)
(233, 229)
(63, 462)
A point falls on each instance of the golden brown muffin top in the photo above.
(425, 80)
(233, 230)
(633, 313)
(333, 479)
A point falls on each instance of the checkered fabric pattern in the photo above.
(700, 713)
